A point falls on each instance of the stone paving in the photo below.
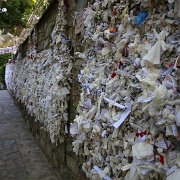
(20, 156)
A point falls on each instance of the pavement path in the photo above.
(20, 156)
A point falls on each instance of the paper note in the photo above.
(123, 116)
(145, 171)
(175, 131)
(115, 104)
(98, 170)
(126, 167)
(162, 144)
(171, 170)
(74, 128)
(148, 99)
(172, 155)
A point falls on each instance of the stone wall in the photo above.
(45, 26)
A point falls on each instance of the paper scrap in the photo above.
(98, 170)
(123, 116)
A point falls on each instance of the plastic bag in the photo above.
(140, 18)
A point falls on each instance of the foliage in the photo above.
(17, 14)
(3, 61)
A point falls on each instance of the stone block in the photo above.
(43, 134)
(30, 121)
(55, 160)
(42, 144)
(75, 178)
(72, 164)
(48, 150)
(34, 126)
(33, 132)
(83, 177)
(37, 137)
(54, 147)
(64, 173)
(69, 147)
(61, 151)
(46, 43)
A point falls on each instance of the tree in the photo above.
(14, 14)
(3, 61)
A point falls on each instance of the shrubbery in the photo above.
(3, 61)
